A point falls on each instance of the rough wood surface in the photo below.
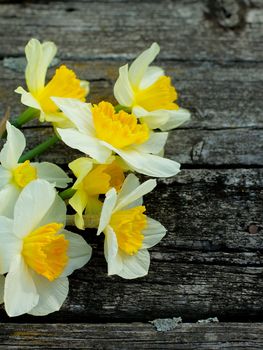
(187, 30)
(219, 95)
(224, 336)
(239, 147)
(210, 263)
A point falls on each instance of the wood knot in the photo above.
(229, 14)
(254, 228)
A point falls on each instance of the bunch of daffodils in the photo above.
(98, 192)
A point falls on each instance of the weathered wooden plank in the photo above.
(242, 147)
(219, 95)
(209, 264)
(187, 336)
(187, 30)
(190, 147)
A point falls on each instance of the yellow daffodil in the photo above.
(92, 180)
(37, 253)
(101, 132)
(63, 84)
(15, 176)
(128, 231)
(149, 93)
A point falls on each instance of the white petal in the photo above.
(10, 245)
(154, 119)
(149, 164)
(137, 193)
(52, 173)
(111, 252)
(130, 183)
(2, 288)
(13, 148)
(77, 112)
(51, 295)
(122, 89)
(8, 198)
(86, 144)
(58, 119)
(32, 205)
(153, 233)
(39, 57)
(177, 118)
(5, 176)
(136, 265)
(28, 99)
(20, 294)
(139, 67)
(154, 144)
(150, 76)
(79, 252)
(56, 213)
(107, 208)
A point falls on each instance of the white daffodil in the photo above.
(64, 83)
(15, 176)
(102, 132)
(148, 92)
(128, 231)
(37, 253)
(93, 179)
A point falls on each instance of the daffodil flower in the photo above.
(37, 253)
(93, 179)
(14, 176)
(128, 231)
(2, 285)
(64, 83)
(101, 132)
(148, 92)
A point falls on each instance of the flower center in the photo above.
(63, 84)
(159, 95)
(128, 226)
(102, 178)
(118, 129)
(45, 251)
(24, 173)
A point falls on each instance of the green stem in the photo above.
(29, 114)
(90, 220)
(119, 108)
(26, 116)
(67, 194)
(39, 149)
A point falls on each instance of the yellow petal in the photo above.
(63, 84)
(45, 251)
(118, 129)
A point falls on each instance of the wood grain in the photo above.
(209, 264)
(192, 148)
(186, 30)
(219, 96)
(222, 336)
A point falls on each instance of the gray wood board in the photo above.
(209, 263)
(186, 30)
(227, 95)
(222, 336)
(193, 148)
